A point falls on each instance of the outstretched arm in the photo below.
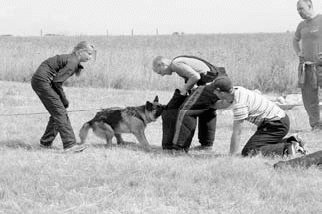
(235, 137)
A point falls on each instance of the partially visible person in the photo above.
(313, 159)
(47, 82)
(196, 72)
(307, 44)
(272, 122)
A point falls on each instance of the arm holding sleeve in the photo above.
(187, 72)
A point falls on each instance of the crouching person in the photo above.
(272, 122)
(189, 103)
(47, 83)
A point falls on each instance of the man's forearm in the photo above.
(191, 82)
(234, 143)
(236, 136)
(296, 47)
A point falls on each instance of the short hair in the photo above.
(223, 83)
(83, 45)
(309, 2)
(156, 61)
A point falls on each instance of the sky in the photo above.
(145, 17)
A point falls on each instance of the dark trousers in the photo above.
(309, 81)
(268, 139)
(207, 121)
(169, 118)
(197, 105)
(59, 121)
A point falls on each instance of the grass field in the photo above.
(258, 61)
(128, 180)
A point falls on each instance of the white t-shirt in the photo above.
(253, 107)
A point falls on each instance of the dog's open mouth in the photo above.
(158, 113)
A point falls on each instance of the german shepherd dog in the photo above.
(112, 122)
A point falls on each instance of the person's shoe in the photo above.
(290, 150)
(301, 146)
(75, 148)
(296, 146)
(179, 149)
(202, 148)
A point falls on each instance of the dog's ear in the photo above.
(156, 99)
(149, 106)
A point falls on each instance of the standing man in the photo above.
(307, 43)
(179, 120)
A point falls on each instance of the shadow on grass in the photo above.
(16, 144)
(126, 145)
(133, 146)
(157, 150)
(207, 155)
(20, 144)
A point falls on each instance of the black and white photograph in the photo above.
(160, 107)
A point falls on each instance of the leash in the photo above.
(39, 113)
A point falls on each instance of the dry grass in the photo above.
(263, 61)
(128, 180)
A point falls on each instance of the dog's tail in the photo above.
(83, 132)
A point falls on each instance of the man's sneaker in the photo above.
(290, 150)
(296, 146)
(75, 148)
(179, 148)
(301, 147)
(202, 148)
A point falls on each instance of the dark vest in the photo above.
(211, 75)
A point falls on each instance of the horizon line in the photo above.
(130, 35)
